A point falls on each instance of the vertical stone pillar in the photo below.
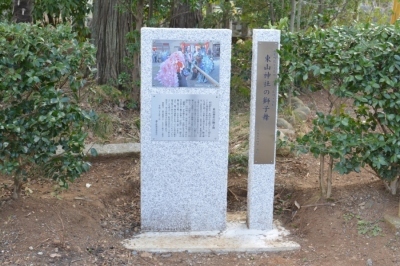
(263, 115)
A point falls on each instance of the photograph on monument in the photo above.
(180, 63)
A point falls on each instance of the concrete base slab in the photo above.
(236, 238)
(393, 221)
(109, 149)
(115, 149)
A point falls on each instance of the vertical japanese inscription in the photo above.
(266, 100)
(187, 117)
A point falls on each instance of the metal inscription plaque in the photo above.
(186, 117)
(266, 101)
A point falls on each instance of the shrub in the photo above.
(360, 63)
(40, 79)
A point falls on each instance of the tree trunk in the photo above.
(109, 29)
(393, 186)
(151, 4)
(321, 6)
(136, 56)
(244, 31)
(355, 14)
(292, 15)
(18, 177)
(329, 178)
(225, 16)
(300, 3)
(209, 9)
(320, 12)
(272, 12)
(321, 174)
(17, 187)
(183, 16)
(22, 11)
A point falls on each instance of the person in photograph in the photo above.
(205, 63)
(188, 58)
(171, 73)
(164, 55)
(154, 56)
(182, 73)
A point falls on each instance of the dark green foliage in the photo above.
(258, 14)
(238, 162)
(126, 80)
(40, 79)
(219, 18)
(55, 12)
(5, 10)
(61, 11)
(361, 64)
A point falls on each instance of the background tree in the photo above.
(257, 14)
(110, 26)
(55, 12)
(138, 11)
(306, 14)
(184, 15)
(219, 16)
(22, 11)
(292, 14)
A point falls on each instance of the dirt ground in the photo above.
(86, 224)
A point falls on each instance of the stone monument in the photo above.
(184, 145)
(184, 128)
(263, 114)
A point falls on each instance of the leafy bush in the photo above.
(362, 64)
(40, 78)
